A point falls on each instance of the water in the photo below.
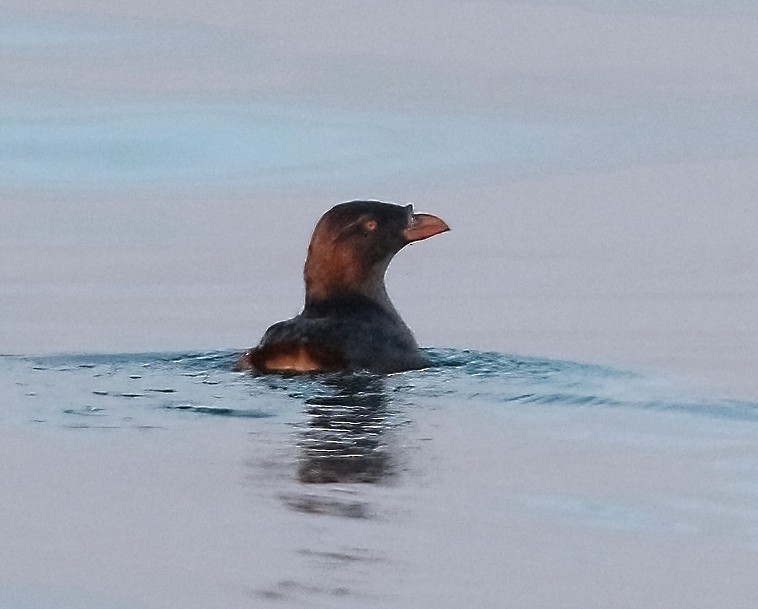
(145, 390)
(162, 167)
(598, 173)
(348, 489)
(107, 105)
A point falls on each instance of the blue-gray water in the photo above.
(596, 165)
(162, 167)
(156, 389)
(391, 491)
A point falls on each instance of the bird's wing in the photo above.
(295, 345)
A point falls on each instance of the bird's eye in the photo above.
(371, 225)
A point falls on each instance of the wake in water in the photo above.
(142, 388)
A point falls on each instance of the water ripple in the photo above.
(220, 411)
(112, 386)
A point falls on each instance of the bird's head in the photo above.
(353, 243)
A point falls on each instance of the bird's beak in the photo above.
(423, 226)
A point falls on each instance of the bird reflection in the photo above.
(342, 440)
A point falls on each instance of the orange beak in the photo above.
(423, 226)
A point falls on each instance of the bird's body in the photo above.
(348, 321)
(339, 333)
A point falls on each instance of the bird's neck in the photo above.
(340, 276)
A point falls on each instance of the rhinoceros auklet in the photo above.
(348, 322)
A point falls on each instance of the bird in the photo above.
(348, 322)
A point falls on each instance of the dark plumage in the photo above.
(348, 322)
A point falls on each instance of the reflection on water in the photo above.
(343, 440)
(343, 437)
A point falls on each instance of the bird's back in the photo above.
(339, 333)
